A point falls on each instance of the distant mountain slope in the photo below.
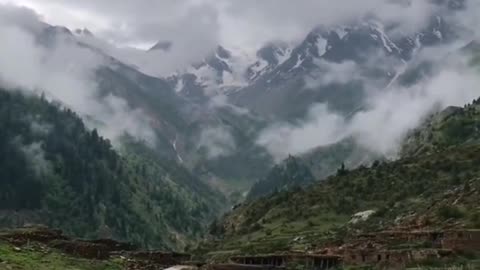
(179, 123)
(316, 164)
(326, 160)
(55, 171)
(331, 66)
(178, 120)
(290, 173)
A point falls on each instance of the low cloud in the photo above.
(65, 72)
(117, 118)
(321, 127)
(328, 73)
(221, 101)
(35, 155)
(347, 72)
(197, 27)
(388, 115)
(258, 22)
(383, 127)
(217, 141)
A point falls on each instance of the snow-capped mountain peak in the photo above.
(268, 58)
(225, 70)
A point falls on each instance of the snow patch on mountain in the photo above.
(298, 63)
(222, 70)
(388, 44)
(341, 32)
(322, 45)
(179, 86)
(259, 67)
(283, 55)
(268, 58)
(436, 30)
(174, 144)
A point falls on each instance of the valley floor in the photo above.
(46, 249)
(37, 258)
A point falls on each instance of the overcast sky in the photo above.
(239, 23)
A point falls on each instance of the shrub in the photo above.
(475, 220)
(448, 212)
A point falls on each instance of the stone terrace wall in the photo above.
(462, 240)
(392, 259)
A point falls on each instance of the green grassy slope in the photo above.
(34, 258)
(435, 189)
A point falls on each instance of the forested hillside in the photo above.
(57, 172)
